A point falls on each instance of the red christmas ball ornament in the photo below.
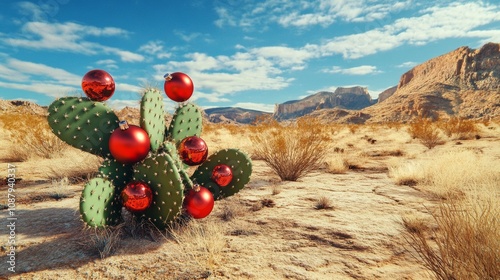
(129, 143)
(222, 175)
(98, 85)
(199, 202)
(137, 196)
(193, 150)
(178, 86)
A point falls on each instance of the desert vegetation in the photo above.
(295, 219)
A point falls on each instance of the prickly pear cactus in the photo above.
(88, 125)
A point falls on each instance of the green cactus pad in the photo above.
(83, 123)
(118, 173)
(186, 121)
(240, 164)
(98, 204)
(153, 117)
(162, 176)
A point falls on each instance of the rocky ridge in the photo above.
(353, 98)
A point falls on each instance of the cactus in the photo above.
(88, 125)
(99, 206)
(187, 121)
(163, 177)
(240, 164)
(83, 124)
(153, 117)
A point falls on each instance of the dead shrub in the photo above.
(292, 150)
(458, 128)
(426, 132)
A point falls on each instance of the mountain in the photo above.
(233, 114)
(353, 98)
(463, 83)
(386, 93)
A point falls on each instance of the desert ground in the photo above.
(342, 220)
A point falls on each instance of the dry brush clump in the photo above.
(458, 128)
(292, 150)
(426, 131)
(464, 244)
(31, 137)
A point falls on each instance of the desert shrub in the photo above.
(31, 136)
(292, 150)
(426, 132)
(464, 244)
(458, 128)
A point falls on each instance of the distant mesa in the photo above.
(233, 115)
(352, 98)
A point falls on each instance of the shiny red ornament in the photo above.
(222, 175)
(98, 85)
(199, 202)
(137, 196)
(129, 143)
(193, 150)
(178, 86)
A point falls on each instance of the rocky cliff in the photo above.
(464, 83)
(233, 114)
(353, 98)
(386, 94)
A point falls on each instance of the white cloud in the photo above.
(70, 37)
(259, 14)
(269, 108)
(155, 48)
(44, 72)
(358, 70)
(407, 64)
(49, 89)
(436, 23)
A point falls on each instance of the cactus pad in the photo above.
(187, 121)
(162, 176)
(118, 173)
(240, 164)
(98, 204)
(153, 117)
(83, 123)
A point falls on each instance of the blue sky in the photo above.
(244, 53)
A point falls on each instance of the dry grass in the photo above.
(291, 150)
(448, 173)
(463, 241)
(31, 136)
(426, 131)
(102, 241)
(337, 164)
(199, 246)
(464, 245)
(323, 203)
